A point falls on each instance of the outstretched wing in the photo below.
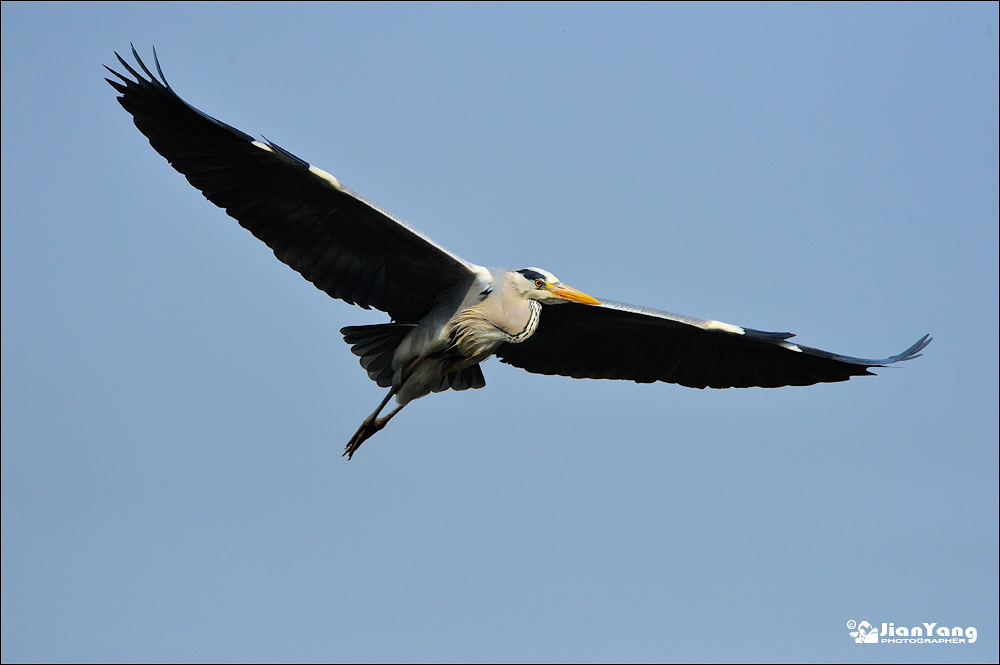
(619, 341)
(334, 238)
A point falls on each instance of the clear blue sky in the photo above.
(175, 400)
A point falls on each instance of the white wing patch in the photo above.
(315, 170)
(724, 327)
(262, 146)
(790, 346)
(483, 275)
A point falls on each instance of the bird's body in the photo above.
(449, 315)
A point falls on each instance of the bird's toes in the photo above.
(367, 429)
(353, 445)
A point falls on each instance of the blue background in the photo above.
(175, 400)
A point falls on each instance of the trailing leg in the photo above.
(371, 425)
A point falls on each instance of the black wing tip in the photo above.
(162, 80)
(908, 354)
(913, 351)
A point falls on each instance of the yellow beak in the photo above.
(560, 290)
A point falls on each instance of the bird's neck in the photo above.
(530, 314)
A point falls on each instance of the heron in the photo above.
(448, 315)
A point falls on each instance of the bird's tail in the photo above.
(375, 345)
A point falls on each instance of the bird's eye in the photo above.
(539, 283)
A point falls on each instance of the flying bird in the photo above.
(449, 315)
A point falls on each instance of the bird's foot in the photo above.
(368, 428)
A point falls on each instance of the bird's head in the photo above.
(541, 285)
